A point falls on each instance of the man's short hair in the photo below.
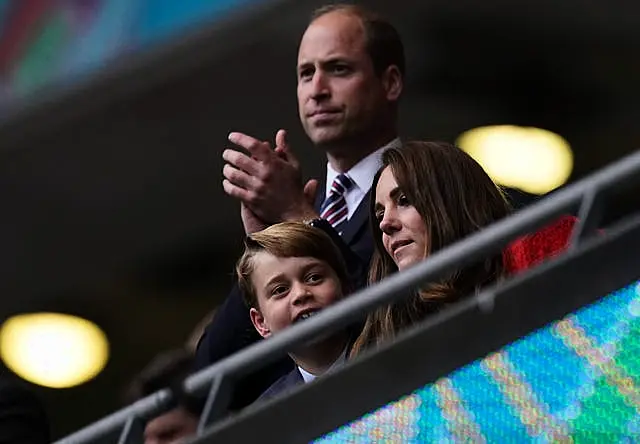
(288, 239)
(383, 41)
(167, 370)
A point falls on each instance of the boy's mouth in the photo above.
(305, 314)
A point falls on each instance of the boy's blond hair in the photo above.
(288, 239)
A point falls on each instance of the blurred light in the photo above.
(530, 159)
(53, 350)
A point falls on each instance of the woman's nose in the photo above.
(389, 223)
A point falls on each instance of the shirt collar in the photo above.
(308, 377)
(362, 172)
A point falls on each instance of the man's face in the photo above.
(171, 428)
(339, 93)
(290, 289)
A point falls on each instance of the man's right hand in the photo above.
(267, 181)
(250, 221)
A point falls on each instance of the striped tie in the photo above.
(334, 208)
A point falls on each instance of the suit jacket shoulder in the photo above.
(283, 385)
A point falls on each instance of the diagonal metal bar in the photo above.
(144, 408)
(487, 241)
(442, 344)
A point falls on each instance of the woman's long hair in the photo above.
(455, 198)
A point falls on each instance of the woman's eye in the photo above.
(379, 215)
(403, 200)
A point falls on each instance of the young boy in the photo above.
(289, 272)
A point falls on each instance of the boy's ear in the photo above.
(259, 323)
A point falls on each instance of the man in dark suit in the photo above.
(22, 417)
(350, 78)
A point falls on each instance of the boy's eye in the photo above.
(278, 290)
(314, 277)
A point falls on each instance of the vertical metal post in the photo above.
(589, 216)
(217, 401)
(133, 431)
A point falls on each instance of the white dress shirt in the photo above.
(308, 377)
(362, 176)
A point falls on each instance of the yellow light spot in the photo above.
(530, 159)
(52, 349)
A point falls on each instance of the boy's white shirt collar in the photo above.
(308, 377)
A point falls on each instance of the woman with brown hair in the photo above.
(427, 196)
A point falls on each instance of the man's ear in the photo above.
(392, 83)
(259, 323)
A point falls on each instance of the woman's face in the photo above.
(404, 234)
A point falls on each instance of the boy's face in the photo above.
(290, 289)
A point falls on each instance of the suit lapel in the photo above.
(358, 221)
(320, 193)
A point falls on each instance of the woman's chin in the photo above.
(405, 262)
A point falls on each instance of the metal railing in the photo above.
(587, 196)
(439, 346)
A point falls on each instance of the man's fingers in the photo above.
(259, 149)
(243, 140)
(235, 191)
(310, 191)
(283, 150)
(281, 139)
(282, 147)
(241, 161)
(238, 177)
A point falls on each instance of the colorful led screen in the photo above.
(576, 380)
(47, 41)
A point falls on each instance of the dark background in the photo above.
(111, 196)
